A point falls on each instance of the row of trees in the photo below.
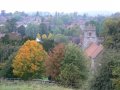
(108, 75)
(65, 64)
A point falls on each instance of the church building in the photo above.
(89, 36)
(90, 45)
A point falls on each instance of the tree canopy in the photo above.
(112, 33)
(53, 63)
(73, 67)
(29, 60)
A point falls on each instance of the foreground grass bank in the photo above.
(31, 85)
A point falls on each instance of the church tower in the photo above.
(89, 35)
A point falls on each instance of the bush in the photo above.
(7, 70)
(71, 76)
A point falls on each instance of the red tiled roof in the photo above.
(93, 50)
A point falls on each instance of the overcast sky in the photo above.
(60, 5)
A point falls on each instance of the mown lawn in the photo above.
(31, 85)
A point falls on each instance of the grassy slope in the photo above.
(29, 86)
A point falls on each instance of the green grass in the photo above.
(31, 85)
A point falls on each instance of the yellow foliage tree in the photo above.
(44, 36)
(50, 36)
(29, 60)
(38, 36)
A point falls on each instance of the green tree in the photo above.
(7, 70)
(73, 31)
(48, 44)
(11, 25)
(115, 68)
(108, 75)
(112, 33)
(32, 30)
(57, 20)
(73, 62)
(60, 38)
(56, 30)
(17, 15)
(3, 29)
(43, 29)
(5, 39)
(70, 76)
(102, 80)
(21, 30)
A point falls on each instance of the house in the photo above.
(14, 36)
(92, 52)
(75, 40)
(2, 35)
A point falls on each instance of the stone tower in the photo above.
(89, 36)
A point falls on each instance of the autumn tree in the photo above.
(53, 63)
(50, 36)
(44, 36)
(38, 36)
(29, 60)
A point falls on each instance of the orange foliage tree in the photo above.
(29, 60)
(53, 63)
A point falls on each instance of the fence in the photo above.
(39, 81)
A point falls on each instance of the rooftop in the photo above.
(93, 50)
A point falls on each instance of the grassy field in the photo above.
(32, 85)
